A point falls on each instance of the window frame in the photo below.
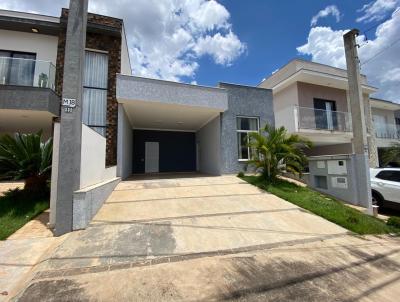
(245, 131)
(105, 126)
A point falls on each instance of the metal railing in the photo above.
(26, 72)
(387, 131)
(319, 119)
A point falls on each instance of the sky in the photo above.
(207, 41)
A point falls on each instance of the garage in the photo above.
(163, 151)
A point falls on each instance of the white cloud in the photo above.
(166, 38)
(224, 49)
(377, 10)
(327, 11)
(325, 45)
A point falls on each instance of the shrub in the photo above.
(240, 174)
(25, 156)
(394, 221)
(275, 150)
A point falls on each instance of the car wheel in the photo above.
(377, 199)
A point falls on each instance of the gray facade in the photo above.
(21, 98)
(244, 101)
(218, 108)
(144, 89)
(331, 168)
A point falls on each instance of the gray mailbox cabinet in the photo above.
(334, 175)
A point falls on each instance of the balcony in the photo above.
(26, 72)
(387, 131)
(308, 118)
(27, 84)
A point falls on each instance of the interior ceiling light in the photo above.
(35, 30)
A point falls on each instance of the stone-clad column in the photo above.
(69, 163)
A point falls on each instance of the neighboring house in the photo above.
(386, 120)
(28, 55)
(31, 73)
(311, 99)
(131, 125)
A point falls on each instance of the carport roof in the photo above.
(165, 105)
(133, 88)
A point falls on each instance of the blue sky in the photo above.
(205, 42)
(272, 30)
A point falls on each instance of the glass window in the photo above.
(17, 68)
(94, 110)
(244, 126)
(390, 175)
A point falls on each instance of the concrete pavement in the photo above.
(213, 239)
(10, 185)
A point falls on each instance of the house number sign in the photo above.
(68, 104)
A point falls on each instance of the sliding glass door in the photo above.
(325, 114)
(17, 68)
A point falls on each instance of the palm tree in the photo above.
(392, 155)
(274, 150)
(24, 156)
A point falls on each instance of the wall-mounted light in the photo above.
(35, 30)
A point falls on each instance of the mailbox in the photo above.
(334, 175)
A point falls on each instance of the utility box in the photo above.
(335, 176)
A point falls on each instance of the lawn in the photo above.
(16, 209)
(324, 206)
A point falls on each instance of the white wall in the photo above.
(54, 174)
(208, 138)
(284, 105)
(44, 46)
(93, 159)
(125, 144)
(125, 63)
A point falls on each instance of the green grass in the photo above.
(324, 206)
(16, 209)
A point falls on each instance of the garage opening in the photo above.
(157, 151)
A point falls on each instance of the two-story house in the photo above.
(31, 73)
(311, 99)
(386, 121)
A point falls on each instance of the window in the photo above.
(244, 126)
(390, 175)
(325, 114)
(94, 111)
(17, 68)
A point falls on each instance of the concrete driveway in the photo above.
(212, 239)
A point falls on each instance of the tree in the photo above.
(25, 156)
(274, 150)
(392, 155)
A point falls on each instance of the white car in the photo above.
(385, 185)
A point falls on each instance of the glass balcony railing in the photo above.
(319, 119)
(26, 72)
(387, 131)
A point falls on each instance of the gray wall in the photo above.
(125, 144)
(242, 101)
(348, 194)
(208, 140)
(29, 98)
(144, 89)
